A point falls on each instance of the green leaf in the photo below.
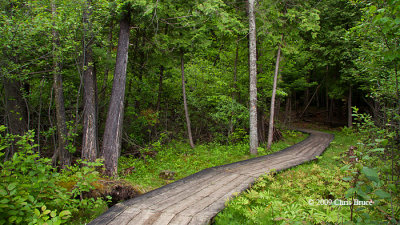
(383, 142)
(65, 214)
(371, 174)
(12, 219)
(12, 186)
(347, 178)
(53, 214)
(37, 212)
(380, 150)
(46, 212)
(3, 192)
(350, 192)
(382, 194)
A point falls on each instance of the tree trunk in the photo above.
(113, 129)
(261, 126)
(189, 130)
(287, 106)
(349, 110)
(15, 107)
(63, 154)
(89, 140)
(103, 90)
(160, 82)
(253, 79)
(235, 91)
(272, 110)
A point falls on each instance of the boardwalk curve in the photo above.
(196, 199)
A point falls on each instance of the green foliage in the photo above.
(368, 171)
(290, 197)
(311, 193)
(30, 190)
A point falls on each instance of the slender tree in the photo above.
(349, 110)
(89, 140)
(189, 129)
(253, 78)
(62, 153)
(272, 111)
(113, 129)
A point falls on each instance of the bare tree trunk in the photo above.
(113, 130)
(261, 126)
(89, 140)
(103, 90)
(235, 91)
(277, 109)
(349, 110)
(160, 83)
(189, 130)
(272, 110)
(15, 107)
(397, 85)
(63, 153)
(286, 119)
(253, 78)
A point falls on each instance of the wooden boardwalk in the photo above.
(198, 198)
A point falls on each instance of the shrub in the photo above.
(29, 186)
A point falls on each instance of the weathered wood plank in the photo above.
(199, 197)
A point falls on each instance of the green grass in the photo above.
(293, 196)
(184, 161)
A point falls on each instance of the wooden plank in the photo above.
(125, 217)
(197, 199)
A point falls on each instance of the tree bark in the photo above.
(189, 130)
(63, 154)
(15, 107)
(253, 78)
(89, 140)
(349, 110)
(113, 129)
(287, 106)
(160, 82)
(235, 91)
(272, 110)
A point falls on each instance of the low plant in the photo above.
(30, 190)
(307, 194)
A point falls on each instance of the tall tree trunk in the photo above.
(113, 130)
(15, 107)
(63, 154)
(272, 110)
(103, 90)
(160, 82)
(349, 110)
(286, 119)
(89, 140)
(261, 126)
(235, 91)
(253, 78)
(189, 130)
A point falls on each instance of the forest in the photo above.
(106, 95)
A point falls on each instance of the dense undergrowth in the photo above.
(322, 191)
(32, 191)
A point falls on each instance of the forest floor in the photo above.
(310, 193)
(198, 198)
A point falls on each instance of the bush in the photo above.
(29, 186)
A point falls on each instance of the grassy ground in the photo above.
(301, 195)
(183, 161)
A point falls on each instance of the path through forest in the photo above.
(196, 199)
